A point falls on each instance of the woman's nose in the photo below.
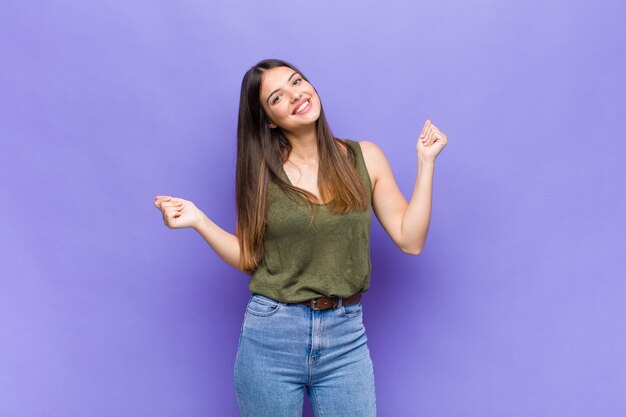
(295, 96)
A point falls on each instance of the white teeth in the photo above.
(302, 107)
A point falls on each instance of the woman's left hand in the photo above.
(431, 142)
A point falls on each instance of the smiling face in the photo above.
(290, 102)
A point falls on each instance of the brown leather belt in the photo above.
(323, 303)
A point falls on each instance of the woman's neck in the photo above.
(303, 146)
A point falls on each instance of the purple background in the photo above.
(515, 308)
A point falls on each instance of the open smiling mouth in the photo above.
(303, 108)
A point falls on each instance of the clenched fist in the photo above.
(431, 142)
(178, 213)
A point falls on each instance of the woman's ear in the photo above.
(271, 125)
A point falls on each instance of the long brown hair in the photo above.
(262, 151)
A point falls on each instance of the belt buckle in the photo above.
(336, 301)
(314, 304)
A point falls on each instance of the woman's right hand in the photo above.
(178, 213)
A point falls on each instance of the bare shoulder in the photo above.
(372, 153)
(374, 157)
(370, 149)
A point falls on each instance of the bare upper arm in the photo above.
(387, 200)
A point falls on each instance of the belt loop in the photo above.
(340, 303)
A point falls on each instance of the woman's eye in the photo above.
(297, 80)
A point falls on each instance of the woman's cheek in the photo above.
(284, 111)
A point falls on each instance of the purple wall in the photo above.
(515, 308)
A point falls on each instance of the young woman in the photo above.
(304, 201)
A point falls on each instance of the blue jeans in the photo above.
(284, 348)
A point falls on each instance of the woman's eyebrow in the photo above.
(272, 93)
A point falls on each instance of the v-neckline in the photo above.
(282, 168)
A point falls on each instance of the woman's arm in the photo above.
(179, 213)
(225, 244)
(405, 223)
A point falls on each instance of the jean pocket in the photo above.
(262, 306)
(352, 310)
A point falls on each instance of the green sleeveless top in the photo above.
(304, 260)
